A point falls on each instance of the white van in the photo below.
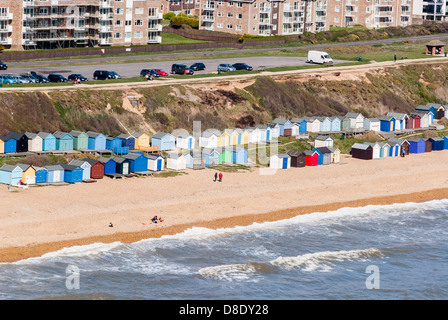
(320, 57)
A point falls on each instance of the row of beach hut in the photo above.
(308, 158)
(395, 147)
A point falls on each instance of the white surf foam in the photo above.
(324, 260)
(228, 272)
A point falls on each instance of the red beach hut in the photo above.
(311, 158)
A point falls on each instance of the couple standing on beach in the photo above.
(218, 176)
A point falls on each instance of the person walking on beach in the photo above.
(216, 176)
(395, 57)
(403, 153)
(220, 176)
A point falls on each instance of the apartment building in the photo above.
(188, 7)
(32, 24)
(283, 17)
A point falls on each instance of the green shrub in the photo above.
(169, 15)
(179, 21)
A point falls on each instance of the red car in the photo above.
(161, 72)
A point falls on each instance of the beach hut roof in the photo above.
(282, 155)
(296, 120)
(155, 156)
(124, 136)
(60, 134)
(13, 135)
(54, 167)
(323, 138)
(333, 149)
(279, 121)
(136, 134)
(398, 115)
(423, 108)
(9, 167)
(261, 126)
(415, 139)
(208, 134)
(352, 115)
(360, 146)
(132, 156)
(174, 155)
(323, 150)
(30, 135)
(78, 163)
(119, 159)
(210, 150)
(396, 140)
(67, 167)
(24, 166)
(160, 135)
(92, 134)
(90, 161)
(436, 139)
(420, 113)
(104, 159)
(385, 117)
(294, 153)
(309, 152)
(75, 133)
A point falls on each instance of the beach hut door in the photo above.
(125, 168)
(285, 163)
(159, 164)
(268, 135)
(190, 143)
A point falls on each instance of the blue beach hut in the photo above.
(324, 155)
(64, 141)
(84, 165)
(211, 157)
(72, 174)
(283, 124)
(41, 174)
(48, 141)
(55, 173)
(164, 141)
(127, 141)
(97, 141)
(11, 174)
(113, 142)
(110, 165)
(10, 145)
(437, 143)
(445, 142)
(18, 141)
(239, 155)
(138, 162)
(387, 123)
(416, 145)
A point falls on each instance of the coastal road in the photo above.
(128, 68)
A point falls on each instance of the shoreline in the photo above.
(14, 254)
(40, 220)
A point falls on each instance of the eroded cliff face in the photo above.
(226, 104)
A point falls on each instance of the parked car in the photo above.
(3, 66)
(242, 66)
(226, 67)
(197, 66)
(150, 72)
(161, 72)
(104, 75)
(53, 77)
(78, 76)
(181, 69)
(41, 79)
(29, 77)
(7, 79)
(21, 79)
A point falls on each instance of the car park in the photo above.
(105, 75)
(242, 66)
(53, 77)
(197, 66)
(29, 77)
(77, 76)
(161, 72)
(181, 69)
(150, 72)
(3, 66)
(226, 67)
(7, 79)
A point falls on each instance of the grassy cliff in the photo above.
(226, 104)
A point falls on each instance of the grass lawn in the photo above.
(173, 38)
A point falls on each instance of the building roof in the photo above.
(323, 150)
(60, 134)
(44, 135)
(360, 146)
(54, 167)
(78, 163)
(14, 135)
(282, 155)
(154, 156)
(398, 115)
(125, 136)
(92, 134)
(435, 43)
(119, 159)
(76, 133)
(90, 161)
(68, 167)
(160, 135)
(323, 138)
(414, 139)
(294, 153)
(9, 167)
(385, 117)
(353, 115)
(280, 121)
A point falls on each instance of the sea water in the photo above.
(375, 252)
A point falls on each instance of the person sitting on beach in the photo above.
(154, 220)
(160, 219)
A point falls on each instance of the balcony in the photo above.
(8, 16)
(157, 27)
(265, 9)
(7, 29)
(157, 16)
(105, 41)
(107, 4)
(157, 39)
(208, 7)
(7, 41)
(208, 18)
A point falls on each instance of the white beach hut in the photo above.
(176, 162)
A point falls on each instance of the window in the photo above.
(118, 10)
(219, 26)
(138, 34)
(117, 35)
(118, 23)
(128, 23)
(238, 27)
(229, 26)
(138, 10)
(239, 16)
(229, 15)
(220, 14)
(138, 22)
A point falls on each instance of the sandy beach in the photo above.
(45, 219)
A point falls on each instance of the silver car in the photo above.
(226, 67)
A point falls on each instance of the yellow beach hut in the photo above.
(224, 139)
(142, 141)
(2, 146)
(29, 173)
